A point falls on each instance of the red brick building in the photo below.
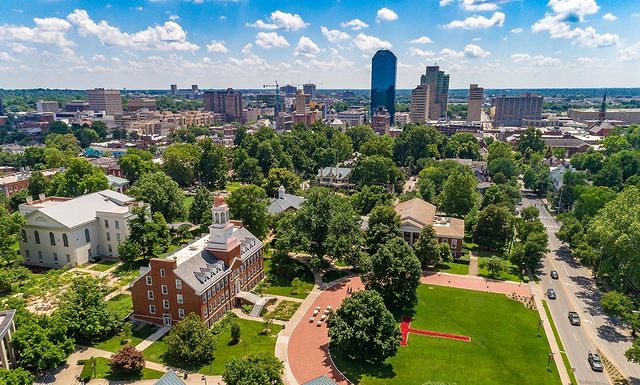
(204, 277)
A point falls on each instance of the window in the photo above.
(205, 311)
(162, 273)
(181, 313)
(165, 303)
(110, 249)
(40, 256)
(152, 309)
(55, 258)
(68, 258)
(24, 236)
(204, 298)
(454, 243)
(164, 289)
(117, 225)
(36, 235)
(149, 294)
(27, 254)
(179, 298)
(178, 284)
(87, 237)
(108, 236)
(65, 240)
(149, 280)
(106, 224)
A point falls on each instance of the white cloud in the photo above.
(247, 49)
(21, 48)
(279, 19)
(448, 53)
(174, 17)
(334, 35)
(573, 9)
(386, 14)
(476, 21)
(635, 14)
(444, 3)
(369, 44)
(629, 53)
(419, 52)
(538, 60)
(588, 60)
(222, 17)
(138, 8)
(5, 57)
(355, 24)
(609, 17)
(268, 40)
(421, 40)
(217, 46)
(517, 30)
(587, 37)
(50, 30)
(168, 37)
(306, 47)
(473, 51)
(478, 5)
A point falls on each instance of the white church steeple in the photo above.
(221, 235)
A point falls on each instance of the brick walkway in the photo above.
(307, 350)
(475, 283)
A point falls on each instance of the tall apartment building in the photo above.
(383, 82)
(420, 100)
(309, 89)
(474, 106)
(141, 103)
(107, 100)
(380, 121)
(227, 102)
(300, 102)
(438, 83)
(511, 110)
(206, 277)
(70, 231)
(77, 105)
(47, 106)
(174, 89)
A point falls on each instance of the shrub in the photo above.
(235, 334)
(127, 360)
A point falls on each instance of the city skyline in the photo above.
(242, 44)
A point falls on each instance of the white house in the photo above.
(69, 231)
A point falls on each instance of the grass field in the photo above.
(510, 272)
(504, 347)
(103, 265)
(117, 342)
(454, 268)
(279, 286)
(121, 305)
(188, 200)
(251, 341)
(102, 370)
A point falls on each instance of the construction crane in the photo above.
(277, 87)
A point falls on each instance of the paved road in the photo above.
(577, 292)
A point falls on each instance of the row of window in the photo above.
(179, 297)
(106, 224)
(52, 237)
(213, 290)
(152, 310)
(162, 274)
(215, 304)
(27, 255)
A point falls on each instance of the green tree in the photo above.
(64, 142)
(610, 175)
(200, 210)
(180, 162)
(590, 200)
(191, 341)
(83, 308)
(462, 145)
(86, 136)
(17, 376)
(363, 329)
(128, 252)
(213, 166)
(133, 166)
(384, 225)
(418, 142)
(360, 135)
(342, 145)
(38, 184)
(249, 204)
(80, 178)
(149, 232)
(445, 252)
(614, 143)
(369, 197)
(531, 139)
(495, 266)
(235, 334)
(497, 195)
(376, 170)
(498, 149)
(42, 343)
(249, 171)
(281, 177)
(378, 145)
(394, 272)
(426, 248)
(459, 195)
(254, 369)
(162, 193)
(10, 229)
(537, 178)
(494, 229)
(506, 166)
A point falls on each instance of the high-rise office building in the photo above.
(194, 88)
(136, 104)
(76, 105)
(106, 100)
(300, 102)
(438, 83)
(1, 108)
(174, 89)
(511, 110)
(420, 98)
(383, 82)
(47, 106)
(474, 106)
(289, 90)
(309, 89)
(227, 102)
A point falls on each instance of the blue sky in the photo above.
(246, 43)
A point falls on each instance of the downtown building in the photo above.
(438, 83)
(107, 100)
(207, 277)
(512, 110)
(474, 105)
(383, 82)
(227, 102)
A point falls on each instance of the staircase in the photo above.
(257, 308)
(257, 301)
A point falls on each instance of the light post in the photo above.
(204, 379)
(549, 361)
(540, 321)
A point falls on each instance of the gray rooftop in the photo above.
(169, 378)
(285, 203)
(340, 172)
(322, 380)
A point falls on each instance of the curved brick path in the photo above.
(307, 348)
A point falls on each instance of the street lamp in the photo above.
(549, 361)
(204, 379)
(540, 321)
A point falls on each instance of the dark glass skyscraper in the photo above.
(383, 82)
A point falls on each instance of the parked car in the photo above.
(551, 294)
(595, 362)
(554, 274)
(574, 318)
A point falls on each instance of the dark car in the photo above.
(554, 274)
(574, 318)
(595, 362)
(551, 294)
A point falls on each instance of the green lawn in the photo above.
(280, 286)
(504, 347)
(188, 200)
(284, 310)
(103, 265)
(117, 342)
(102, 370)
(232, 186)
(510, 273)
(121, 305)
(332, 275)
(251, 342)
(454, 268)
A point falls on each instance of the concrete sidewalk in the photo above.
(153, 338)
